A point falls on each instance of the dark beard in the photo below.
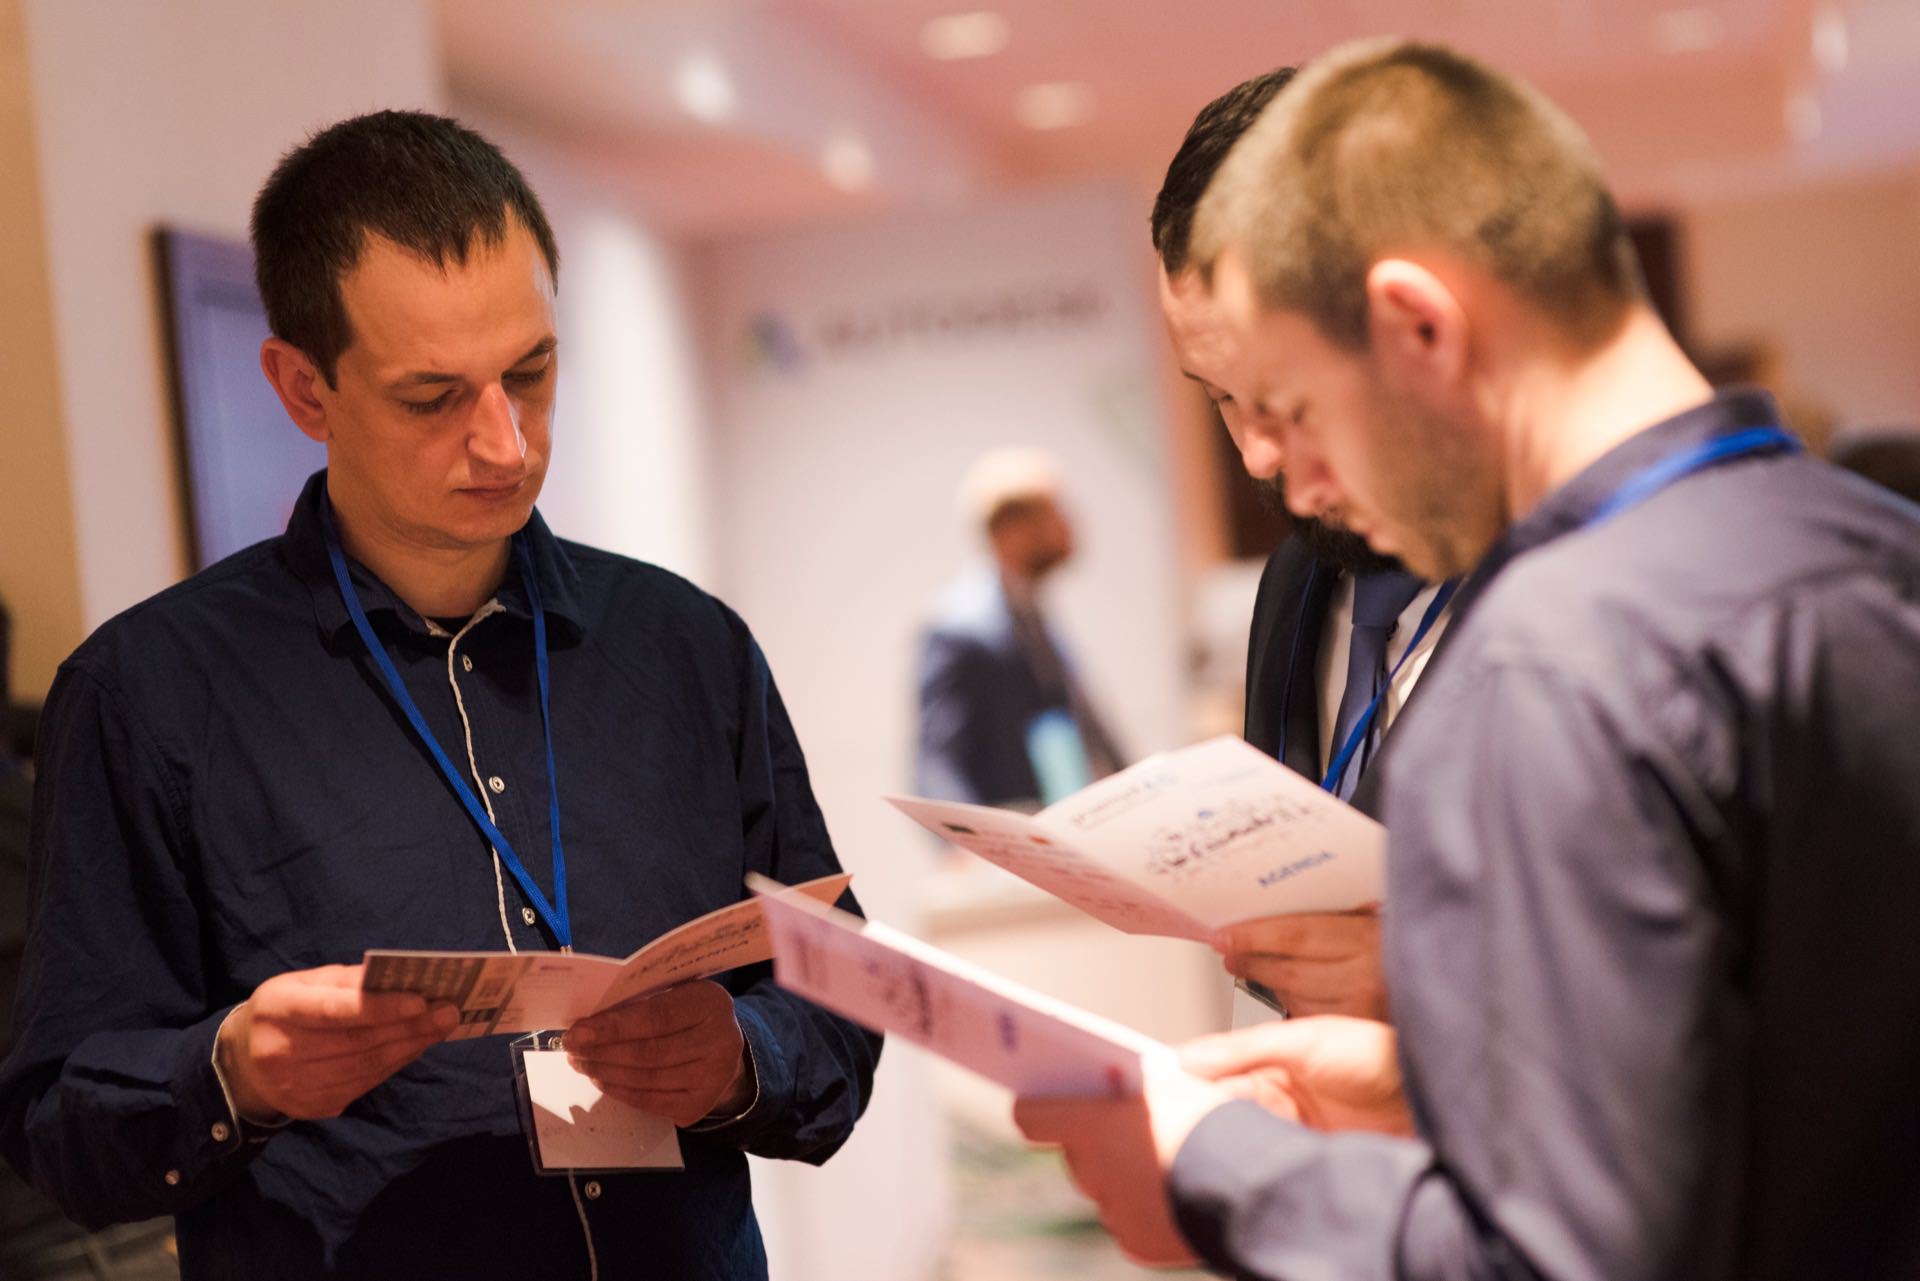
(1332, 546)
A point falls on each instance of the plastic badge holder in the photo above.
(574, 1129)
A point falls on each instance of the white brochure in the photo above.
(1182, 843)
(531, 991)
(888, 981)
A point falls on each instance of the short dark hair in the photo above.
(427, 183)
(1382, 146)
(1209, 138)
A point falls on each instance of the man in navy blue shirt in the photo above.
(239, 795)
(1654, 838)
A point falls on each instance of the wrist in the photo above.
(244, 1100)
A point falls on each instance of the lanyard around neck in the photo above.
(1656, 476)
(1337, 770)
(555, 914)
(1636, 489)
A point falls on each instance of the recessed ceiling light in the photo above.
(847, 161)
(704, 89)
(1830, 45)
(1057, 105)
(964, 35)
(1688, 30)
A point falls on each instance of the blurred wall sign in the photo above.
(784, 342)
(243, 461)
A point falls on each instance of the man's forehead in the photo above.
(402, 307)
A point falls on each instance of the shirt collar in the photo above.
(304, 548)
(1569, 507)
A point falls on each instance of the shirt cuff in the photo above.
(1258, 1196)
(713, 1121)
(772, 1082)
(209, 1142)
(250, 1131)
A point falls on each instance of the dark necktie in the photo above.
(1378, 602)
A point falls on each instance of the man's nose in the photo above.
(495, 436)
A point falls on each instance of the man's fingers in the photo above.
(271, 1043)
(701, 1073)
(328, 1005)
(1244, 1049)
(1322, 935)
(1054, 1121)
(674, 1012)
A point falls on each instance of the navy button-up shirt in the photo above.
(1654, 869)
(227, 792)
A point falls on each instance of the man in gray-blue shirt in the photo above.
(1655, 833)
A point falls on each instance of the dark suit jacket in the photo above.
(978, 694)
(1283, 655)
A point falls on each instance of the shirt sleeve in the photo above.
(109, 1101)
(1559, 985)
(813, 1070)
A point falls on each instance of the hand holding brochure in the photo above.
(893, 983)
(531, 991)
(1182, 843)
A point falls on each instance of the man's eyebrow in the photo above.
(429, 377)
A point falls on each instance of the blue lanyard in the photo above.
(554, 914)
(1338, 769)
(1654, 477)
(1637, 488)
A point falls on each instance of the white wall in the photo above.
(836, 464)
(1829, 272)
(630, 463)
(173, 111)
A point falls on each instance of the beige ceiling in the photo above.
(1682, 99)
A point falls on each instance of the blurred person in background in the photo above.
(1337, 628)
(1655, 839)
(37, 1242)
(1004, 719)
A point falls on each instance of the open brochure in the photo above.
(533, 991)
(1182, 843)
(891, 982)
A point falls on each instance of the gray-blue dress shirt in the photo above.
(1651, 925)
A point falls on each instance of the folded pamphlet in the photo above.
(1182, 843)
(533, 991)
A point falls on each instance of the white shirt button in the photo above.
(466, 664)
(221, 1132)
(498, 784)
(173, 1178)
(527, 915)
(592, 1189)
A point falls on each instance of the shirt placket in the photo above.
(497, 782)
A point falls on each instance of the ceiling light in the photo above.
(848, 162)
(964, 35)
(704, 89)
(1830, 40)
(1059, 105)
(1688, 30)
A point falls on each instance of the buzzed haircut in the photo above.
(1209, 138)
(425, 182)
(1386, 147)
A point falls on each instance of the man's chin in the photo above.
(1342, 549)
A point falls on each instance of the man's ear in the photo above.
(297, 381)
(1415, 323)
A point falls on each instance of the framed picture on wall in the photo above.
(243, 460)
